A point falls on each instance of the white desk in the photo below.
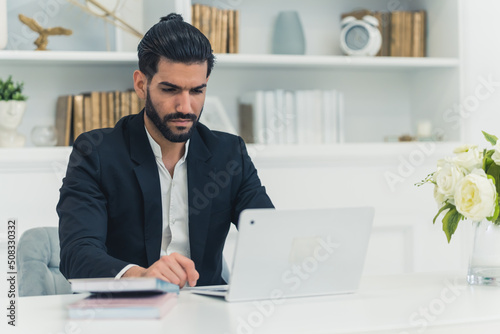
(421, 303)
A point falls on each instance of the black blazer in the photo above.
(110, 212)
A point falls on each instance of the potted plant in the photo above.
(12, 107)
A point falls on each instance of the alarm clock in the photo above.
(360, 37)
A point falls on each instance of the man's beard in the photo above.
(161, 125)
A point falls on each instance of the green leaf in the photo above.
(487, 160)
(492, 139)
(446, 206)
(493, 173)
(450, 222)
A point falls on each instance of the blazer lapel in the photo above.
(199, 204)
(146, 172)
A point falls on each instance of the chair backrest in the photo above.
(38, 263)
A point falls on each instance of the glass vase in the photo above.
(484, 264)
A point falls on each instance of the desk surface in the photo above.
(416, 303)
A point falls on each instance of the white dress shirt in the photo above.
(174, 202)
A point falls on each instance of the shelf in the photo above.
(298, 61)
(50, 159)
(67, 57)
(230, 60)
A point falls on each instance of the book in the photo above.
(95, 100)
(196, 15)
(224, 31)
(87, 113)
(124, 104)
(396, 34)
(407, 34)
(218, 32)
(329, 117)
(125, 284)
(418, 32)
(230, 31)
(118, 107)
(236, 33)
(213, 27)
(252, 117)
(64, 109)
(78, 121)
(111, 109)
(104, 110)
(290, 117)
(129, 307)
(384, 20)
(134, 103)
(205, 20)
(340, 118)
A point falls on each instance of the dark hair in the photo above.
(175, 40)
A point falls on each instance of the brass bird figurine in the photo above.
(42, 40)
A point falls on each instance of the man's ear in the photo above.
(140, 84)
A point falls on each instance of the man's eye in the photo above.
(168, 90)
(197, 91)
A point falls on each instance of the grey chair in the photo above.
(38, 263)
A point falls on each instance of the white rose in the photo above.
(447, 175)
(468, 157)
(496, 155)
(475, 196)
(440, 198)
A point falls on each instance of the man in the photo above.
(155, 195)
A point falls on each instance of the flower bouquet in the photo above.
(466, 185)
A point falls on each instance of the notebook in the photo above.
(296, 253)
(110, 285)
(124, 306)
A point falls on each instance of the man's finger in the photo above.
(188, 266)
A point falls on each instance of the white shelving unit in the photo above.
(384, 96)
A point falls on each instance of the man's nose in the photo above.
(183, 104)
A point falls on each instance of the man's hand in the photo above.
(173, 268)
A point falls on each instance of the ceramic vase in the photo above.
(11, 116)
(288, 35)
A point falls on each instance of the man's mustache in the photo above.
(179, 115)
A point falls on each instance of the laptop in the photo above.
(296, 253)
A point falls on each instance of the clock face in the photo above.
(357, 37)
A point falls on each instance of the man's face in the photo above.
(175, 98)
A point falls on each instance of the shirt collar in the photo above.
(157, 149)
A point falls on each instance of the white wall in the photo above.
(481, 54)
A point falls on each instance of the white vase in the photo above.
(484, 264)
(3, 24)
(11, 115)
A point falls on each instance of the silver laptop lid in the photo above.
(294, 253)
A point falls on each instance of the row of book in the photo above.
(404, 33)
(292, 117)
(80, 113)
(220, 26)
